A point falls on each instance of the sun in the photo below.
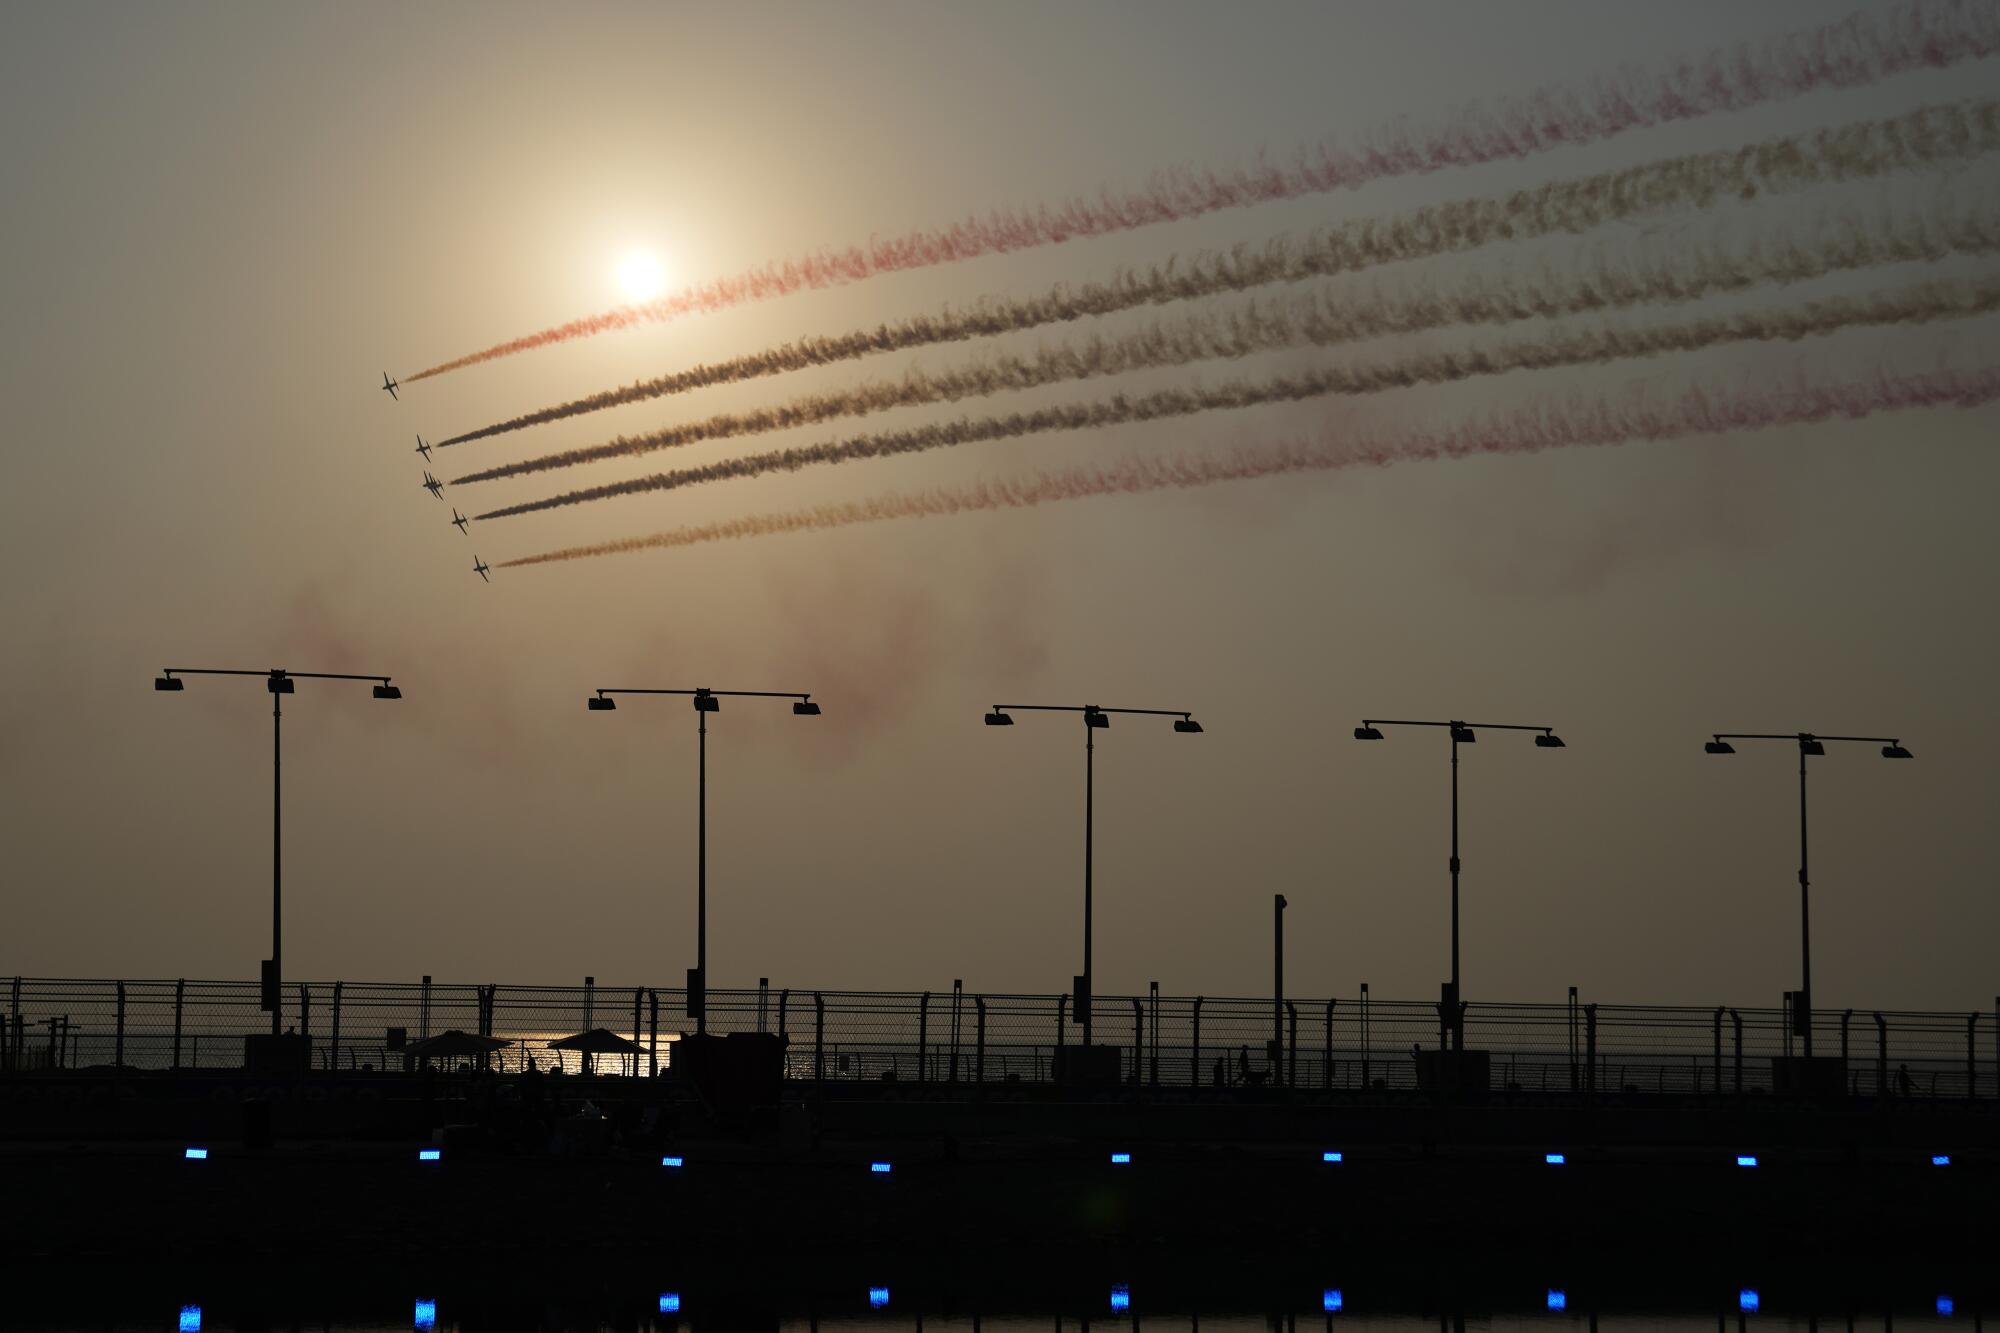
(640, 276)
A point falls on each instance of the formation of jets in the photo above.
(436, 487)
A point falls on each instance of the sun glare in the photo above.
(640, 276)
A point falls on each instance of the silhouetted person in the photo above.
(1221, 1070)
(1904, 1084)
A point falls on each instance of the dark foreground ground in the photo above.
(95, 1172)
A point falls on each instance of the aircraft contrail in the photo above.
(1922, 138)
(1856, 51)
(1561, 347)
(1324, 319)
(1634, 418)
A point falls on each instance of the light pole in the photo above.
(1809, 745)
(1462, 733)
(279, 682)
(1095, 719)
(706, 701)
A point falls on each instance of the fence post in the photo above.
(424, 1009)
(1590, 1045)
(957, 994)
(1845, 1015)
(1971, 1057)
(1718, 1048)
(923, 1038)
(1326, 1074)
(1291, 1065)
(1736, 1021)
(1062, 1012)
(652, 1032)
(305, 1019)
(1194, 1049)
(784, 1001)
(763, 1000)
(819, 1041)
(1138, 1042)
(336, 1024)
(118, 1047)
(979, 1058)
(1881, 1057)
(638, 1008)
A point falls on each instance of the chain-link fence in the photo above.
(958, 1036)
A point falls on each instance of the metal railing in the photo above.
(958, 1037)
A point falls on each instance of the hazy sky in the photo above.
(222, 222)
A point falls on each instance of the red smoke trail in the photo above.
(1925, 138)
(1635, 418)
(1856, 51)
(1922, 303)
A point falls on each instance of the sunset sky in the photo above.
(222, 223)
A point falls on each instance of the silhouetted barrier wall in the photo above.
(955, 1036)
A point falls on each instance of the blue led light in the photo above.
(879, 1168)
(672, 1161)
(196, 1154)
(670, 1302)
(1945, 1307)
(427, 1314)
(877, 1297)
(1330, 1300)
(1746, 1159)
(1554, 1158)
(1939, 1159)
(430, 1154)
(1558, 1300)
(1331, 1157)
(1121, 1297)
(1746, 1301)
(190, 1319)
(1121, 1159)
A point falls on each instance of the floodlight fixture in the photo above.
(1367, 733)
(387, 691)
(279, 683)
(1894, 750)
(707, 703)
(601, 703)
(1094, 717)
(1809, 744)
(997, 719)
(1548, 740)
(805, 708)
(1187, 726)
(1719, 747)
(1463, 734)
(169, 684)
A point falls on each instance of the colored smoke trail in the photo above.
(1635, 418)
(1922, 138)
(1329, 319)
(1922, 303)
(1851, 53)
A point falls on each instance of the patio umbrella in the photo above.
(597, 1041)
(445, 1045)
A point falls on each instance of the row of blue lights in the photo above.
(1331, 1300)
(194, 1154)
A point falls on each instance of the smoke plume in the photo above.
(1328, 319)
(1923, 138)
(1634, 418)
(1858, 50)
(1922, 303)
